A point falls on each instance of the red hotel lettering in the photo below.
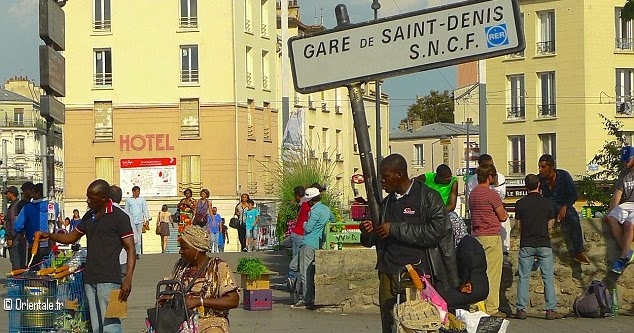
(140, 142)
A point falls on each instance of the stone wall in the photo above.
(347, 279)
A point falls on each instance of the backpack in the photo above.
(595, 302)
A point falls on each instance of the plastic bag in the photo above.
(430, 294)
(473, 321)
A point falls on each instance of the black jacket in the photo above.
(433, 235)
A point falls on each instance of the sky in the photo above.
(19, 43)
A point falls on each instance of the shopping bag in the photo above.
(430, 294)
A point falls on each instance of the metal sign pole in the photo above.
(363, 136)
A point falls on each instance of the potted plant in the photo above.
(255, 275)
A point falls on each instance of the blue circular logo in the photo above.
(497, 35)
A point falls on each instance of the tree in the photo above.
(596, 187)
(628, 10)
(433, 108)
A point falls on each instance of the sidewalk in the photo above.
(154, 267)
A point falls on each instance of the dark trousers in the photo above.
(387, 299)
(41, 254)
(242, 236)
(572, 226)
(17, 253)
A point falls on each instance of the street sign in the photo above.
(51, 108)
(406, 43)
(52, 24)
(52, 71)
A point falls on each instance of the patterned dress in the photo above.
(217, 282)
(186, 213)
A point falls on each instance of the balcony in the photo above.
(624, 106)
(546, 47)
(102, 25)
(102, 79)
(547, 110)
(325, 156)
(247, 26)
(104, 134)
(311, 104)
(311, 153)
(190, 131)
(516, 55)
(338, 109)
(249, 79)
(264, 30)
(324, 107)
(250, 132)
(296, 102)
(267, 134)
(355, 147)
(624, 44)
(265, 83)
(194, 186)
(189, 76)
(252, 187)
(339, 157)
(188, 22)
(516, 113)
(517, 168)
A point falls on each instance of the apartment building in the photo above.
(21, 130)
(325, 119)
(578, 63)
(171, 95)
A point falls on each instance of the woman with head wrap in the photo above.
(214, 293)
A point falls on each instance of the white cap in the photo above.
(311, 193)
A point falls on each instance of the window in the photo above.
(267, 122)
(624, 40)
(311, 141)
(251, 119)
(338, 145)
(418, 155)
(252, 185)
(264, 19)
(517, 108)
(265, 71)
(103, 67)
(627, 137)
(19, 145)
(190, 173)
(103, 121)
(269, 188)
(325, 143)
(189, 118)
(189, 14)
(624, 80)
(249, 66)
(189, 63)
(517, 163)
(101, 20)
(546, 103)
(546, 32)
(549, 144)
(337, 101)
(248, 16)
(104, 169)
(18, 116)
(19, 170)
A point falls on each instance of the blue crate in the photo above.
(54, 296)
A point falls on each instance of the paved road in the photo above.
(152, 268)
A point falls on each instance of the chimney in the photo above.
(417, 124)
(401, 126)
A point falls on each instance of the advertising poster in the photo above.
(155, 176)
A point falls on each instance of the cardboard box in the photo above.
(257, 300)
(258, 284)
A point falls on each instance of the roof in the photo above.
(435, 130)
(9, 96)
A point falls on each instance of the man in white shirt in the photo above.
(116, 194)
(500, 188)
(136, 207)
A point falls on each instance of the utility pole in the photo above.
(285, 63)
(482, 99)
(5, 175)
(377, 104)
(467, 156)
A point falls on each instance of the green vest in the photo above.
(443, 189)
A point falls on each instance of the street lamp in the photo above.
(467, 153)
(377, 97)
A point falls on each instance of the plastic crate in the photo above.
(257, 300)
(43, 304)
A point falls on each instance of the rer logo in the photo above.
(496, 35)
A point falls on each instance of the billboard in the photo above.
(155, 176)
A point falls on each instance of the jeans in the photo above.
(139, 231)
(573, 227)
(17, 253)
(97, 296)
(297, 243)
(214, 242)
(307, 272)
(545, 261)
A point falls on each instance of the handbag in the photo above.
(169, 316)
(158, 228)
(234, 222)
(416, 315)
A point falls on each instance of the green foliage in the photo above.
(253, 268)
(433, 108)
(628, 10)
(300, 169)
(596, 187)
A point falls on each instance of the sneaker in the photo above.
(582, 258)
(620, 265)
(299, 305)
(520, 314)
(245, 250)
(552, 314)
